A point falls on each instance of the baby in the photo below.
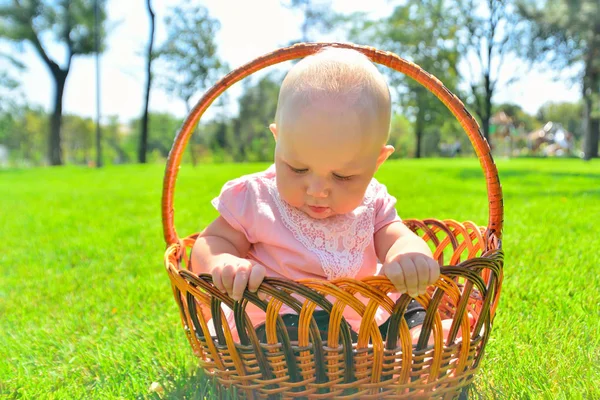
(318, 212)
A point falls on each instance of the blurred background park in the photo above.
(528, 70)
(86, 309)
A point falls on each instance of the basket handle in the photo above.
(391, 60)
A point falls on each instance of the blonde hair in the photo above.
(337, 74)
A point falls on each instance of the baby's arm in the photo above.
(407, 260)
(220, 251)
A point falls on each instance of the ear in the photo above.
(385, 152)
(273, 129)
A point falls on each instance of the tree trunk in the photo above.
(591, 96)
(591, 91)
(97, 51)
(485, 128)
(54, 140)
(592, 131)
(487, 111)
(594, 128)
(419, 131)
(143, 147)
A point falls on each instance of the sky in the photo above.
(248, 29)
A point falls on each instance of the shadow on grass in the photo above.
(505, 173)
(197, 386)
(554, 193)
(193, 386)
(538, 181)
(490, 393)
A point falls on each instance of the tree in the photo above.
(566, 33)
(317, 15)
(78, 138)
(253, 140)
(490, 31)
(218, 132)
(424, 32)
(21, 130)
(162, 127)
(71, 23)
(401, 137)
(8, 82)
(10, 101)
(113, 137)
(97, 58)
(143, 146)
(190, 54)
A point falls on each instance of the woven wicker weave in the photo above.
(471, 258)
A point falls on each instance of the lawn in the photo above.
(86, 309)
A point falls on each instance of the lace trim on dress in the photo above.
(339, 241)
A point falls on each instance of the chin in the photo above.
(315, 215)
(320, 216)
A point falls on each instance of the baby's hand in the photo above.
(412, 273)
(232, 274)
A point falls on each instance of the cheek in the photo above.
(349, 196)
(290, 189)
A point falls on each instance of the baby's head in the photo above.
(331, 128)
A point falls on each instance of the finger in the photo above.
(434, 271)
(227, 276)
(396, 276)
(239, 283)
(257, 275)
(217, 280)
(423, 274)
(410, 277)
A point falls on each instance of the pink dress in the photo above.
(291, 244)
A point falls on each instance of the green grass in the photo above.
(86, 309)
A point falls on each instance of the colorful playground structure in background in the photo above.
(551, 140)
(511, 139)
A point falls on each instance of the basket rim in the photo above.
(389, 59)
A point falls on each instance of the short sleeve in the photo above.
(237, 204)
(385, 208)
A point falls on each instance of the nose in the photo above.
(317, 188)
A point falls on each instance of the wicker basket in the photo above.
(369, 367)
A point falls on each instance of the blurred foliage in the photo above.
(438, 35)
(252, 139)
(162, 129)
(23, 133)
(244, 137)
(402, 137)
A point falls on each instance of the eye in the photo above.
(342, 178)
(298, 170)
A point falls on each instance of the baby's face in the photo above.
(326, 155)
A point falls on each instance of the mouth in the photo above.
(318, 209)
